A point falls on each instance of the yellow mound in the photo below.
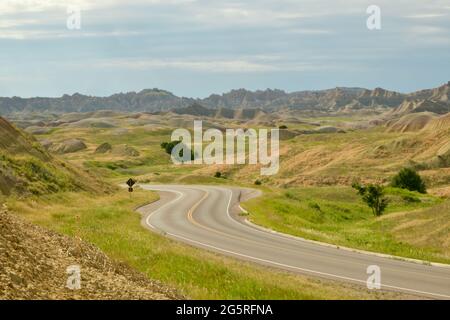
(439, 124)
(411, 122)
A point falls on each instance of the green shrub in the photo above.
(409, 179)
(373, 195)
(168, 147)
(411, 199)
(315, 206)
(291, 195)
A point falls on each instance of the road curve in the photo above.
(206, 217)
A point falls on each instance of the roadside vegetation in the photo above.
(169, 146)
(409, 179)
(373, 196)
(338, 215)
(111, 223)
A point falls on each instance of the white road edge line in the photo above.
(303, 269)
(284, 236)
(147, 220)
(329, 245)
(180, 195)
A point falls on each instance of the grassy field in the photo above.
(111, 223)
(414, 225)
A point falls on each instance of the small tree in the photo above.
(218, 174)
(373, 195)
(168, 147)
(409, 179)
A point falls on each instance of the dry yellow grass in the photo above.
(426, 229)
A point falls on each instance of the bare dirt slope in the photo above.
(411, 122)
(33, 264)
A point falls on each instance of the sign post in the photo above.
(130, 184)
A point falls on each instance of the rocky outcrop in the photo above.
(125, 150)
(104, 148)
(68, 146)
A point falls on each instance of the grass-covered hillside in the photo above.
(27, 168)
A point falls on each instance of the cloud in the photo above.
(42, 34)
(309, 31)
(13, 23)
(427, 36)
(215, 66)
(238, 40)
(426, 16)
(256, 64)
(428, 30)
(20, 6)
(203, 14)
(8, 7)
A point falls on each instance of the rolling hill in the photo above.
(26, 168)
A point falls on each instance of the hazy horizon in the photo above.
(219, 93)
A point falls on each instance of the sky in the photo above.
(194, 48)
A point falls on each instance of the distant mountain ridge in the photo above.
(155, 100)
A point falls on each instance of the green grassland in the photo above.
(414, 225)
(111, 223)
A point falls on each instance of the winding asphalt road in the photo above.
(208, 217)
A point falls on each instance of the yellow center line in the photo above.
(193, 221)
(190, 217)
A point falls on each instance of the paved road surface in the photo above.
(206, 217)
